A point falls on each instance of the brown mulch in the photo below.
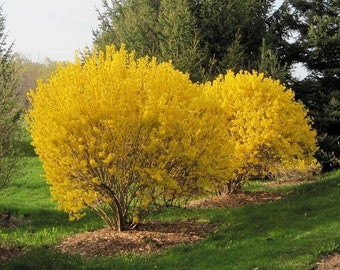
(330, 262)
(153, 236)
(8, 253)
(147, 238)
(8, 221)
(236, 200)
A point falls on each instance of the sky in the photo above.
(52, 29)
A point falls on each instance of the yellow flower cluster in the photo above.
(132, 132)
(270, 130)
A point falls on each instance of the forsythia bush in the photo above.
(120, 135)
(271, 132)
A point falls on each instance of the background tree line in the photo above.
(18, 74)
(206, 37)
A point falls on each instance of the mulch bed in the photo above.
(236, 200)
(147, 238)
(330, 262)
(153, 237)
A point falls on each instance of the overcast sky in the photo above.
(51, 28)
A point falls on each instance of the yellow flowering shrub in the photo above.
(270, 130)
(120, 135)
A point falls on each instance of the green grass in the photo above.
(28, 195)
(292, 233)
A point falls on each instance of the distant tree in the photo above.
(232, 27)
(10, 108)
(313, 39)
(29, 72)
(270, 64)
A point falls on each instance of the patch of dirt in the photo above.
(152, 236)
(8, 221)
(331, 262)
(155, 236)
(8, 253)
(280, 183)
(147, 238)
(236, 200)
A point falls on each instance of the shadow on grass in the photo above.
(44, 258)
(25, 148)
(41, 219)
(287, 234)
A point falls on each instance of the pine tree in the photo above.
(9, 107)
(315, 42)
(203, 37)
(178, 37)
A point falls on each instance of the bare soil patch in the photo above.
(236, 200)
(330, 262)
(147, 238)
(8, 253)
(8, 221)
(152, 237)
(156, 236)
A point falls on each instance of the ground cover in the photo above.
(292, 228)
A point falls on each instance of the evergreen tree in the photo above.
(314, 41)
(232, 31)
(9, 108)
(203, 37)
(132, 22)
(178, 38)
(270, 65)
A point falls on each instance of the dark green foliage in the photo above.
(232, 31)
(201, 37)
(9, 108)
(270, 64)
(178, 37)
(133, 23)
(314, 24)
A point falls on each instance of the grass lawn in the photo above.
(292, 233)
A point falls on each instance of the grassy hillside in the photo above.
(288, 234)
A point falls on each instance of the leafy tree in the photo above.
(123, 136)
(9, 108)
(226, 25)
(271, 132)
(28, 72)
(314, 40)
